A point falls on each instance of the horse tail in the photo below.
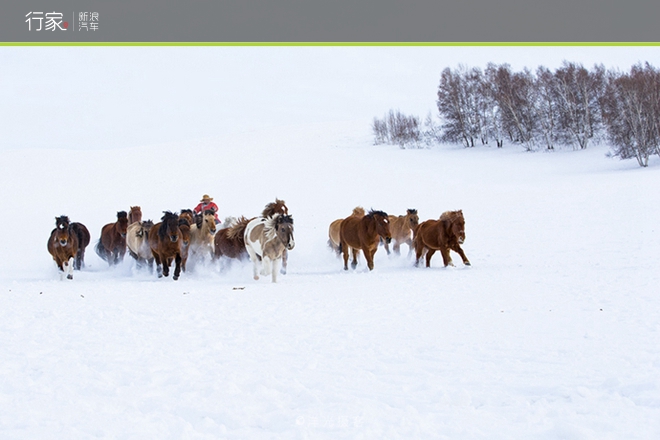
(100, 250)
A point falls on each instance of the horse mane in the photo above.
(273, 208)
(411, 211)
(373, 213)
(237, 229)
(209, 212)
(168, 216)
(358, 211)
(451, 216)
(122, 214)
(271, 224)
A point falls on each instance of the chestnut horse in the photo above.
(448, 232)
(189, 215)
(67, 244)
(266, 239)
(362, 233)
(112, 244)
(333, 230)
(230, 241)
(402, 227)
(134, 215)
(165, 242)
(137, 242)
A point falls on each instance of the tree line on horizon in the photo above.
(570, 106)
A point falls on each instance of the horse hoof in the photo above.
(175, 278)
(256, 277)
(283, 271)
(467, 263)
(69, 277)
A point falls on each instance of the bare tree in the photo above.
(578, 92)
(631, 111)
(514, 95)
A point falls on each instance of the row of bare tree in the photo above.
(571, 106)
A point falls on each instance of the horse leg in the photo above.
(354, 263)
(285, 257)
(446, 258)
(429, 254)
(457, 248)
(166, 266)
(68, 268)
(276, 262)
(387, 246)
(397, 247)
(369, 256)
(345, 250)
(255, 261)
(159, 264)
(177, 267)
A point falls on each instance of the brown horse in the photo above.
(362, 233)
(165, 241)
(402, 227)
(134, 215)
(186, 237)
(448, 232)
(333, 230)
(276, 207)
(229, 242)
(64, 245)
(112, 244)
(189, 215)
(137, 242)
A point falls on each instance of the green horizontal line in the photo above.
(331, 44)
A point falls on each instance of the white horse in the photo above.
(137, 235)
(266, 239)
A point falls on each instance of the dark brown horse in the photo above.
(229, 242)
(446, 233)
(363, 233)
(112, 244)
(165, 240)
(134, 215)
(186, 238)
(64, 245)
(402, 227)
(189, 215)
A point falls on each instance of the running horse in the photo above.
(402, 227)
(363, 233)
(333, 230)
(111, 247)
(266, 239)
(201, 236)
(230, 242)
(165, 241)
(445, 234)
(134, 215)
(137, 242)
(66, 244)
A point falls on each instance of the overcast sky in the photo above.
(107, 97)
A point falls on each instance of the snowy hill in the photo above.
(552, 333)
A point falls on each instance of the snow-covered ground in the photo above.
(553, 333)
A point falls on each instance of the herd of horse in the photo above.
(265, 240)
